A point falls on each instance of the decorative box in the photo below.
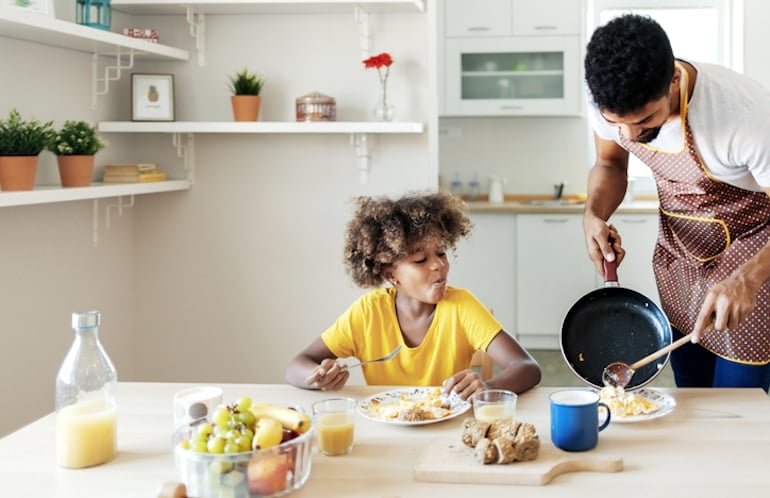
(316, 107)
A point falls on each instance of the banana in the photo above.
(288, 417)
(268, 433)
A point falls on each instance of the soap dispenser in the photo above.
(496, 189)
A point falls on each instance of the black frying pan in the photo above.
(614, 324)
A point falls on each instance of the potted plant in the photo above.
(75, 145)
(246, 87)
(21, 143)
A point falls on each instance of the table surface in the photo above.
(716, 441)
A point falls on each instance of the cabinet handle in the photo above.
(633, 220)
(546, 28)
(554, 220)
(478, 28)
(511, 107)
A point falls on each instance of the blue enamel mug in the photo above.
(575, 422)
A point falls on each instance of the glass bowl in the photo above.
(265, 473)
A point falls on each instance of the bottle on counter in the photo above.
(86, 410)
(456, 187)
(474, 188)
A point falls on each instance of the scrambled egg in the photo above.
(423, 405)
(623, 404)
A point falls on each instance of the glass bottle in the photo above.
(86, 418)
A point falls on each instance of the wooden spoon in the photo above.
(619, 374)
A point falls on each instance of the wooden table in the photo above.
(716, 442)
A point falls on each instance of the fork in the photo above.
(378, 360)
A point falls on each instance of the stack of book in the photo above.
(133, 173)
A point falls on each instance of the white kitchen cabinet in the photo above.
(638, 233)
(546, 17)
(485, 264)
(512, 58)
(552, 272)
(470, 18)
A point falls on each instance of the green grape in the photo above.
(205, 429)
(247, 418)
(244, 443)
(185, 444)
(199, 447)
(221, 416)
(243, 404)
(247, 433)
(232, 447)
(216, 445)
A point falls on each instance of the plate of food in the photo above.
(636, 406)
(412, 406)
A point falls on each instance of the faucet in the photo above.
(558, 189)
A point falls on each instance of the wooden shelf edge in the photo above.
(49, 194)
(230, 7)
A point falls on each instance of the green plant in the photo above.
(246, 83)
(76, 138)
(23, 138)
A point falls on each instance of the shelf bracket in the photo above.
(118, 207)
(185, 150)
(362, 18)
(197, 22)
(362, 142)
(101, 86)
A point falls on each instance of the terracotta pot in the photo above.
(246, 107)
(18, 172)
(75, 171)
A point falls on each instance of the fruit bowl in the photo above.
(263, 473)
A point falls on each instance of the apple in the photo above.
(267, 473)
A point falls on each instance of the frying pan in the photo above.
(614, 324)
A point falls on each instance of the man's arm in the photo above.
(607, 183)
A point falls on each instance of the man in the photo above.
(702, 129)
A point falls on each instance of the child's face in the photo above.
(422, 275)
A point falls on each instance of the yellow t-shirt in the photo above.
(369, 329)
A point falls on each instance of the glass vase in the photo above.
(384, 111)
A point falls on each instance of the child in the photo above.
(404, 242)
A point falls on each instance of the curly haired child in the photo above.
(404, 242)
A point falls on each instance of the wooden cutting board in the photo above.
(452, 461)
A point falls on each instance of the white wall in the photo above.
(227, 281)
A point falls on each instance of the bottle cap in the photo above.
(86, 319)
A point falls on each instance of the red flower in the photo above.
(377, 61)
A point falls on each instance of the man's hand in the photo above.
(603, 242)
(727, 303)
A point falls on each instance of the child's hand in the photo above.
(464, 383)
(328, 376)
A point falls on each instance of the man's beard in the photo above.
(648, 135)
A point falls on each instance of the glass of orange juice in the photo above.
(494, 404)
(334, 420)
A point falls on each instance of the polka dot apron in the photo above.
(707, 229)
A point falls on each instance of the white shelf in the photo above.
(48, 194)
(212, 7)
(354, 127)
(40, 28)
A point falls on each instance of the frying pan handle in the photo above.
(611, 273)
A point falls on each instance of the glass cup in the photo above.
(334, 421)
(494, 404)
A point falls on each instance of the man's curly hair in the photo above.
(384, 230)
(628, 64)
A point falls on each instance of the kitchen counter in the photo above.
(548, 206)
(715, 442)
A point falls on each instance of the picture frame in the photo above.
(39, 6)
(152, 97)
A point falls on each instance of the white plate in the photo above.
(367, 409)
(665, 402)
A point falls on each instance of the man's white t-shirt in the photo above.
(729, 116)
